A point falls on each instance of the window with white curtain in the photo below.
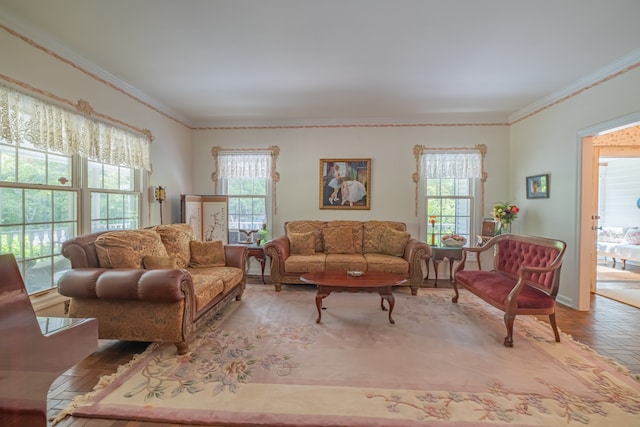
(450, 182)
(245, 177)
(62, 173)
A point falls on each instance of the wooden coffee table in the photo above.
(340, 281)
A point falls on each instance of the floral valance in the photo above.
(244, 165)
(25, 119)
(463, 163)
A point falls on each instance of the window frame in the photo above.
(476, 188)
(78, 223)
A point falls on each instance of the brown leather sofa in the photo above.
(142, 290)
(340, 245)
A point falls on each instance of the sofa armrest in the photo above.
(414, 252)
(278, 250)
(236, 255)
(163, 285)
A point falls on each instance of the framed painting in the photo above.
(345, 184)
(538, 187)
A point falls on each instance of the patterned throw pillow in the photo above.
(153, 262)
(126, 248)
(207, 254)
(632, 237)
(176, 238)
(302, 243)
(338, 240)
(373, 233)
(393, 242)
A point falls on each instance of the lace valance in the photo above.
(25, 119)
(443, 165)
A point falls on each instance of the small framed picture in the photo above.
(538, 187)
(345, 184)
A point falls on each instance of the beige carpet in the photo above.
(620, 285)
(265, 362)
(627, 296)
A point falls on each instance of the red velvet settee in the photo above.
(524, 280)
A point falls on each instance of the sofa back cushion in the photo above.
(127, 248)
(176, 238)
(393, 242)
(207, 254)
(338, 240)
(373, 234)
(632, 237)
(306, 226)
(302, 243)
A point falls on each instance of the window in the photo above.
(450, 181)
(450, 201)
(46, 183)
(117, 205)
(247, 206)
(247, 177)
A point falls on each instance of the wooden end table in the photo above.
(340, 281)
(439, 253)
(257, 252)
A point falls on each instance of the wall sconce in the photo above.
(161, 196)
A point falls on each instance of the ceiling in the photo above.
(325, 62)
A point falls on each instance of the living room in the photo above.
(543, 137)
(537, 139)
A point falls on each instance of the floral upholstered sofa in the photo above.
(340, 245)
(619, 242)
(151, 285)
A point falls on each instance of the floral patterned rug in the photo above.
(266, 362)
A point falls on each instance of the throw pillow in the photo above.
(126, 248)
(207, 254)
(632, 237)
(338, 240)
(393, 242)
(176, 238)
(154, 262)
(302, 243)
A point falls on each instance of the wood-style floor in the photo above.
(611, 328)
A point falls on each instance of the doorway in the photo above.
(618, 136)
(618, 268)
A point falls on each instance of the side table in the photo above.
(439, 253)
(257, 252)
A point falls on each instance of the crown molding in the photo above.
(42, 40)
(603, 74)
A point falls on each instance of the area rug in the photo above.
(627, 296)
(266, 362)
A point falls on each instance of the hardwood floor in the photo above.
(611, 328)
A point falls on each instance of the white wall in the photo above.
(24, 64)
(548, 142)
(392, 165)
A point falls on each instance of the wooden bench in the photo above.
(29, 359)
(524, 279)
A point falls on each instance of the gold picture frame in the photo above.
(345, 184)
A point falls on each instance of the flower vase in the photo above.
(503, 228)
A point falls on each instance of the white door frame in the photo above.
(587, 176)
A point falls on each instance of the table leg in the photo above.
(451, 269)
(392, 301)
(320, 295)
(436, 263)
(262, 263)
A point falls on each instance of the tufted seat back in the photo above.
(513, 254)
